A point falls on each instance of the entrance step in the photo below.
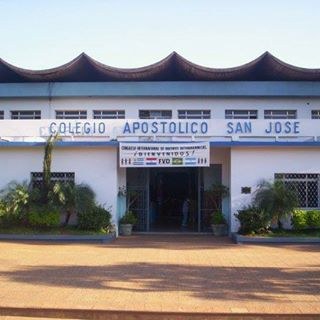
(47, 313)
(174, 233)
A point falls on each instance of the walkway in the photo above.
(162, 273)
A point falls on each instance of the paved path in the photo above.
(155, 273)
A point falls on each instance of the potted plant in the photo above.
(218, 224)
(126, 223)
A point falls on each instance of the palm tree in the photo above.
(73, 198)
(47, 160)
(276, 199)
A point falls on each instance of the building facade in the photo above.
(167, 132)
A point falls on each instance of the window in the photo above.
(280, 114)
(194, 114)
(315, 114)
(155, 114)
(241, 114)
(1, 115)
(63, 177)
(26, 115)
(71, 114)
(306, 186)
(108, 114)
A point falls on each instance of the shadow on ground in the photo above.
(204, 282)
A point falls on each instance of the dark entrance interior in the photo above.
(159, 194)
(168, 189)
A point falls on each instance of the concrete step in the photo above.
(46, 313)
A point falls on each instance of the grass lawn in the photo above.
(292, 233)
(69, 230)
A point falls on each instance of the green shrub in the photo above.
(128, 218)
(44, 217)
(313, 219)
(217, 218)
(95, 219)
(252, 220)
(299, 219)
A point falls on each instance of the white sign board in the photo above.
(196, 154)
(122, 128)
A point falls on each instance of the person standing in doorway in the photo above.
(185, 212)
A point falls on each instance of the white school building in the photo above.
(168, 131)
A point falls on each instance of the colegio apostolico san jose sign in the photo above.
(119, 128)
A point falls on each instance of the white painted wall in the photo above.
(250, 165)
(133, 105)
(95, 166)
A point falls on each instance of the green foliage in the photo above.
(129, 218)
(217, 218)
(14, 203)
(95, 219)
(44, 217)
(252, 220)
(299, 219)
(275, 199)
(303, 219)
(313, 219)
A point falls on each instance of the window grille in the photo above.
(194, 114)
(315, 114)
(306, 186)
(241, 114)
(26, 114)
(280, 114)
(63, 177)
(155, 114)
(1, 115)
(71, 114)
(108, 114)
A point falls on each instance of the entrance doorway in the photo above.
(169, 188)
(160, 193)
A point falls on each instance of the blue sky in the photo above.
(42, 34)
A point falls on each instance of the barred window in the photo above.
(108, 114)
(194, 114)
(155, 114)
(25, 114)
(1, 115)
(241, 114)
(315, 114)
(280, 114)
(71, 114)
(63, 177)
(306, 186)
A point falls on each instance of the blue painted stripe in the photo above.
(163, 88)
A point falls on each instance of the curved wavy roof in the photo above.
(172, 68)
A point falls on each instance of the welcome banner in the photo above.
(193, 154)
